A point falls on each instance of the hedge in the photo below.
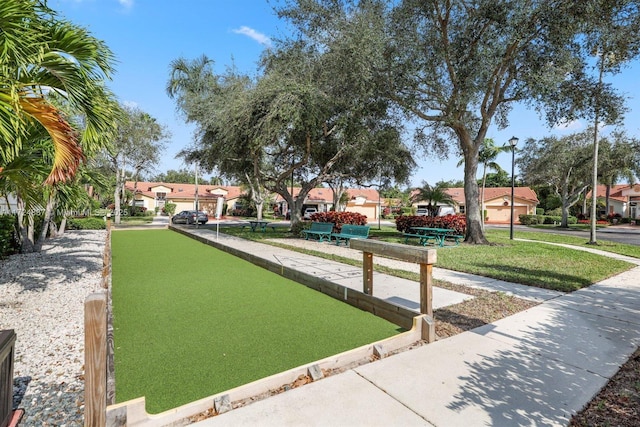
(339, 219)
(9, 242)
(545, 219)
(86, 224)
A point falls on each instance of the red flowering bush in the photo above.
(588, 221)
(454, 222)
(340, 218)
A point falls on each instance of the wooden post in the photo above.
(108, 221)
(95, 360)
(426, 289)
(7, 351)
(367, 273)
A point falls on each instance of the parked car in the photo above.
(189, 217)
(422, 212)
(308, 212)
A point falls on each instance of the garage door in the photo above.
(368, 211)
(503, 213)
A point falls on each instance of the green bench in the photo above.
(349, 232)
(423, 239)
(455, 237)
(319, 230)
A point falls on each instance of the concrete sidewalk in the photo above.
(537, 367)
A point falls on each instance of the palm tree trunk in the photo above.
(48, 211)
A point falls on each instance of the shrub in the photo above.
(9, 242)
(406, 210)
(137, 211)
(339, 219)
(86, 224)
(454, 222)
(296, 229)
(587, 221)
(169, 208)
(539, 211)
(554, 212)
(551, 219)
(529, 219)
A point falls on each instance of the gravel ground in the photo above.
(42, 298)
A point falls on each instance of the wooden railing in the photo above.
(7, 345)
(425, 257)
(98, 365)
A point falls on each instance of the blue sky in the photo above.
(146, 35)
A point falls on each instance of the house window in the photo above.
(161, 196)
(462, 209)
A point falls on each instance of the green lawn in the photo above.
(528, 263)
(580, 238)
(191, 321)
(531, 263)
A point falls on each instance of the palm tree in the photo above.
(54, 108)
(486, 156)
(434, 195)
(41, 55)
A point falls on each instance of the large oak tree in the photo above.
(456, 67)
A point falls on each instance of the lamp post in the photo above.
(513, 142)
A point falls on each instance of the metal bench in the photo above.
(349, 232)
(319, 230)
(423, 239)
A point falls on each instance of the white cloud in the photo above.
(130, 104)
(127, 4)
(573, 125)
(250, 32)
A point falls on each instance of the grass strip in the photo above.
(580, 239)
(527, 263)
(191, 321)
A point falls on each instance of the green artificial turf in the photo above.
(191, 321)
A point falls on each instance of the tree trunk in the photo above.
(564, 221)
(63, 226)
(48, 211)
(117, 195)
(28, 244)
(475, 231)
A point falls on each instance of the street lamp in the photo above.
(513, 142)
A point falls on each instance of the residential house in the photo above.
(624, 199)
(156, 194)
(8, 204)
(497, 203)
(365, 201)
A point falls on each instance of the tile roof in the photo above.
(491, 193)
(325, 194)
(615, 192)
(186, 190)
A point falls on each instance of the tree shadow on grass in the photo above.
(549, 279)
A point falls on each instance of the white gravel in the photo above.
(42, 298)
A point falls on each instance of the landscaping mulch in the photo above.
(618, 403)
(486, 307)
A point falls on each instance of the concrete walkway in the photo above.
(537, 367)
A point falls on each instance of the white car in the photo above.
(422, 212)
(308, 212)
